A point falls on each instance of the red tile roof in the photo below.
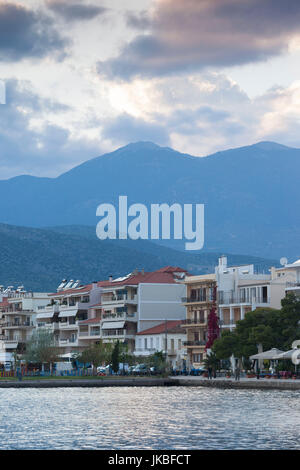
(90, 320)
(171, 326)
(77, 290)
(161, 276)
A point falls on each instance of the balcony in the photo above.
(89, 334)
(68, 341)
(68, 326)
(194, 322)
(292, 286)
(48, 326)
(194, 343)
(18, 311)
(190, 300)
(114, 334)
(120, 316)
(239, 299)
(122, 298)
(17, 325)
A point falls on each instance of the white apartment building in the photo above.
(65, 309)
(139, 301)
(113, 310)
(18, 319)
(241, 290)
(289, 276)
(167, 337)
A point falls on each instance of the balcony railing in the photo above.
(194, 321)
(121, 315)
(223, 323)
(194, 343)
(17, 325)
(292, 284)
(187, 300)
(240, 299)
(91, 333)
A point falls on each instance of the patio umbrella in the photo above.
(271, 354)
(287, 354)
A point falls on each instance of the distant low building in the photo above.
(167, 337)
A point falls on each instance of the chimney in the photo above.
(110, 278)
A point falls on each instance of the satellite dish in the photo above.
(283, 261)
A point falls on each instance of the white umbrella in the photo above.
(271, 354)
(288, 354)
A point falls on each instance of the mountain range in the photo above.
(251, 194)
(40, 258)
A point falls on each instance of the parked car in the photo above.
(199, 371)
(141, 369)
(101, 370)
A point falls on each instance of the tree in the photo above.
(41, 348)
(213, 328)
(115, 357)
(269, 327)
(96, 355)
(225, 346)
(212, 361)
(158, 360)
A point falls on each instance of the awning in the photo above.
(40, 316)
(68, 313)
(271, 354)
(113, 325)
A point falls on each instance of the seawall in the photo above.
(186, 381)
(250, 384)
(105, 382)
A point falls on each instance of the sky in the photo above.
(84, 78)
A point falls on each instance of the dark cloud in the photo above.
(75, 11)
(126, 128)
(49, 149)
(188, 35)
(138, 20)
(25, 33)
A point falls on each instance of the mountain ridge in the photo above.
(40, 258)
(250, 194)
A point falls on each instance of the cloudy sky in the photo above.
(84, 77)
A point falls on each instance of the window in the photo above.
(198, 357)
(201, 316)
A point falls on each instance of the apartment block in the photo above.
(200, 300)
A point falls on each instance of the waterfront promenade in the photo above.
(182, 381)
(243, 383)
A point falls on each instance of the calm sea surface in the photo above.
(148, 418)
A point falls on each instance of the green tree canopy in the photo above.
(269, 327)
(97, 354)
(41, 347)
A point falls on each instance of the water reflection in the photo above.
(148, 418)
